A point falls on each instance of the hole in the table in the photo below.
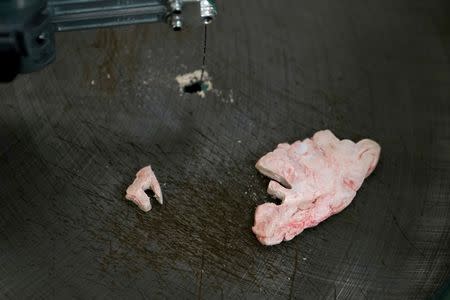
(195, 87)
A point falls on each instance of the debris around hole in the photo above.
(191, 83)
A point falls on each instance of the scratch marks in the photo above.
(405, 236)
(201, 276)
(291, 289)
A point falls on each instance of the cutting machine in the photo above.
(28, 27)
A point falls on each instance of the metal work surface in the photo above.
(74, 135)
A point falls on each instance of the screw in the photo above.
(42, 38)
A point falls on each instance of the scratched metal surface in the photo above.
(73, 136)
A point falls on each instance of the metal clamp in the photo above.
(208, 10)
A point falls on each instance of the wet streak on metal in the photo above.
(73, 136)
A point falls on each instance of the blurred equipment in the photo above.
(27, 27)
